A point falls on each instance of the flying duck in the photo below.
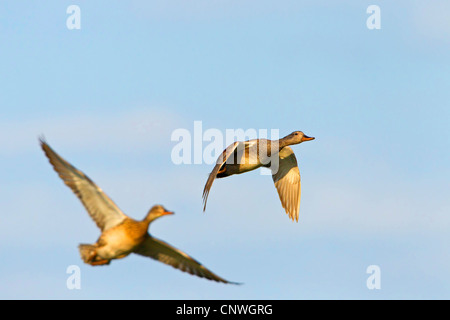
(120, 234)
(240, 157)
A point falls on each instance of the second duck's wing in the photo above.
(100, 207)
(219, 163)
(165, 253)
(287, 182)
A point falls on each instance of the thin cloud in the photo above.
(134, 130)
(432, 21)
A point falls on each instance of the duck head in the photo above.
(157, 211)
(296, 137)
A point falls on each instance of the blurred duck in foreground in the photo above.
(241, 157)
(120, 234)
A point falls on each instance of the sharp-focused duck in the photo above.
(240, 157)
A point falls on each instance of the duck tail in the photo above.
(87, 252)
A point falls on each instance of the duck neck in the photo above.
(147, 220)
(282, 143)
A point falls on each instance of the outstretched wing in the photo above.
(100, 207)
(219, 163)
(165, 253)
(287, 182)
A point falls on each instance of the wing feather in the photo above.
(287, 181)
(100, 207)
(219, 163)
(165, 253)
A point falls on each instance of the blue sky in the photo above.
(108, 96)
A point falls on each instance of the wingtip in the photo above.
(229, 282)
(205, 199)
(293, 217)
(42, 139)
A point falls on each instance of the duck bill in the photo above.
(165, 213)
(306, 138)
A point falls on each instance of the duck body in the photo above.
(245, 158)
(115, 243)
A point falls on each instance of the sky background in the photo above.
(375, 182)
